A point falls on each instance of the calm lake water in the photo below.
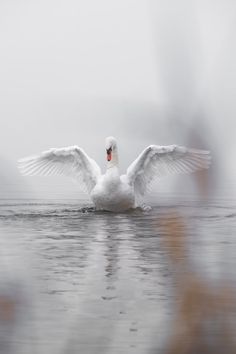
(97, 282)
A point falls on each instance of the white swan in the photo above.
(111, 191)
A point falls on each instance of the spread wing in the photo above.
(157, 161)
(71, 161)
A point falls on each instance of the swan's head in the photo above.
(111, 147)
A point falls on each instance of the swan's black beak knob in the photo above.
(109, 155)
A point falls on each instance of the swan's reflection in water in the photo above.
(121, 310)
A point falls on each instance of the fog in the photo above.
(147, 72)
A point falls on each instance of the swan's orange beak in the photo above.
(109, 156)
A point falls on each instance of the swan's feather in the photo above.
(157, 161)
(70, 161)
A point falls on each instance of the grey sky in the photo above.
(73, 72)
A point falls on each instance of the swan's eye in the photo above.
(109, 150)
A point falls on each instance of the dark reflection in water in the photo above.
(103, 282)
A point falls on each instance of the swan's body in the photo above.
(111, 191)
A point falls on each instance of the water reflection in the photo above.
(106, 280)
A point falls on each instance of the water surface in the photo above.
(98, 282)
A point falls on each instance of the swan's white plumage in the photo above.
(71, 161)
(112, 191)
(158, 161)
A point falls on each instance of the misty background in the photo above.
(147, 72)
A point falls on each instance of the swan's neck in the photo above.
(114, 161)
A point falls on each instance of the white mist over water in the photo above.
(144, 71)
